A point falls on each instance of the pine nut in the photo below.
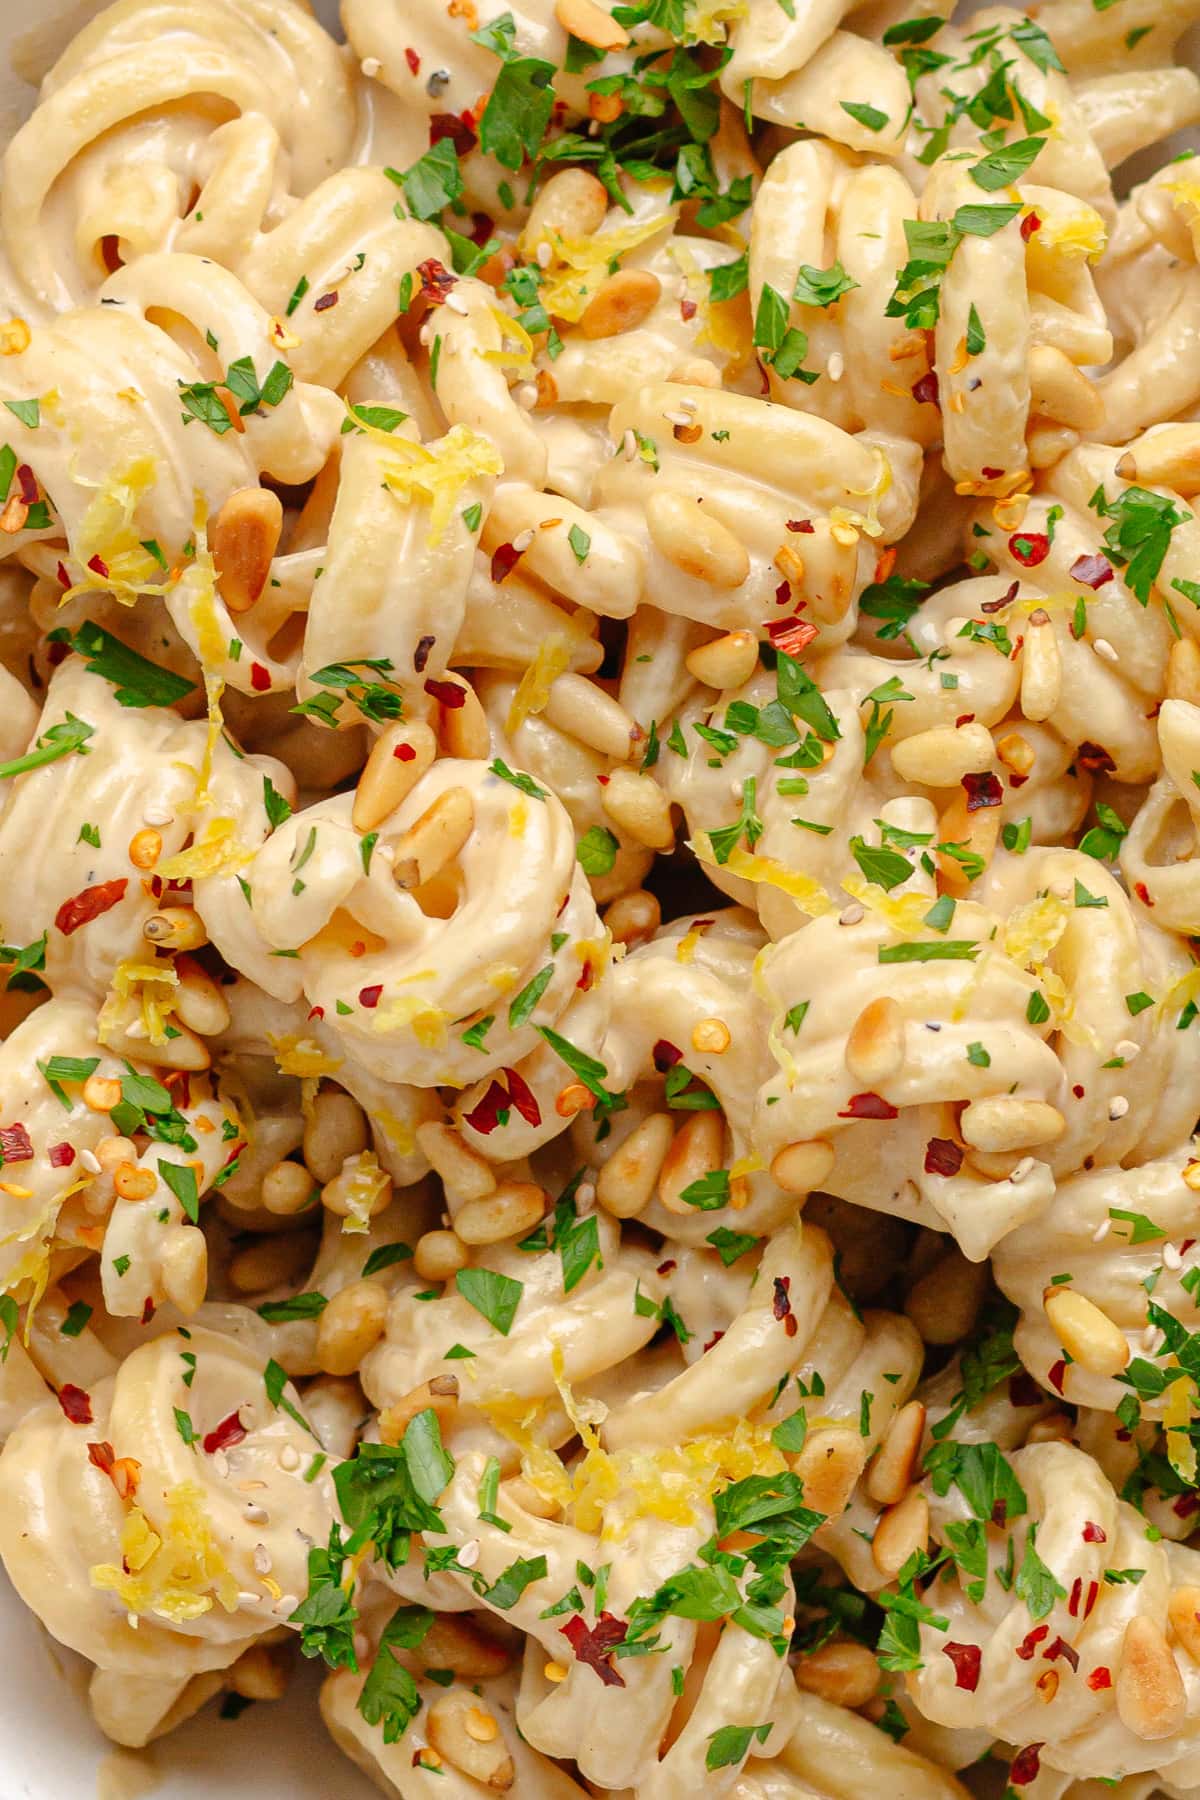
(584, 711)
(697, 1150)
(979, 831)
(1054, 1428)
(455, 1642)
(941, 756)
(1060, 391)
(1169, 457)
(829, 1465)
(183, 1266)
(799, 1168)
(257, 1675)
(288, 1188)
(710, 1037)
(943, 1305)
(360, 1189)
(1151, 1699)
(571, 204)
(398, 759)
(590, 24)
(639, 809)
(621, 303)
(351, 1325)
(1016, 753)
(1004, 1123)
(1183, 671)
(625, 1185)
(439, 1395)
(875, 1044)
(463, 730)
(439, 1255)
(464, 1173)
(1041, 668)
(727, 662)
(199, 1002)
(145, 848)
(515, 1207)
(1183, 1610)
(335, 1129)
(272, 1262)
(434, 840)
(175, 928)
(891, 1470)
(902, 1530)
(101, 1093)
(634, 918)
(696, 542)
(845, 1674)
(1086, 1333)
(245, 537)
(447, 1723)
(133, 1183)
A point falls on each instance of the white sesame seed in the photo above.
(137, 1028)
(370, 66)
(1118, 1106)
(933, 1025)
(426, 333)
(1102, 1230)
(677, 418)
(688, 405)
(257, 1515)
(544, 253)
(262, 1560)
(1148, 1337)
(289, 1457)
(286, 1603)
(522, 541)
(526, 395)
(735, 788)
(1021, 1171)
(585, 1197)
(852, 914)
(1171, 1257)
(468, 1556)
(457, 304)
(90, 1162)
(1103, 648)
(629, 443)
(835, 368)
(1126, 1049)
(157, 815)
(247, 1599)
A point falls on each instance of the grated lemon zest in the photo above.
(518, 819)
(705, 20)
(533, 690)
(297, 1055)
(107, 531)
(565, 292)
(215, 852)
(175, 1574)
(153, 984)
(521, 355)
(1177, 1416)
(1035, 929)
(436, 475)
(423, 1018)
(364, 1183)
(808, 894)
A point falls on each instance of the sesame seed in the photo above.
(852, 914)
(629, 443)
(1127, 1049)
(1118, 1106)
(257, 1515)
(289, 1457)
(262, 1560)
(526, 396)
(1103, 648)
(1102, 1230)
(688, 405)
(157, 815)
(90, 1162)
(835, 368)
(286, 1603)
(370, 66)
(544, 253)
(468, 1556)
(1171, 1257)
(1021, 1171)
(677, 418)
(522, 541)
(585, 1197)
(457, 304)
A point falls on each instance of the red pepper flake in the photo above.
(982, 791)
(1056, 1375)
(1099, 1679)
(1000, 1512)
(1029, 224)
(148, 1310)
(484, 1116)
(325, 301)
(594, 1644)
(665, 1056)
(869, 1106)
(1023, 1390)
(82, 908)
(1029, 548)
(102, 1456)
(420, 658)
(1091, 756)
(1076, 1596)
(1093, 1594)
(315, 1012)
(504, 561)
(1030, 1642)
(783, 594)
(805, 525)
(925, 390)
(522, 1097)
(369, 996)
(781, 1305)
(1093, 1533)
(1186, 1505)
(62, 1156)
(404, 753)
(436, 280)
(1006, 599)
(712, 1342)
(1079, 1090)
(1061, 1648)
(1143, 893)
(943, 1157)
(964, 719)
(260, 678)
(792, 636)
(454, 126)
(224, 1436)
(447, 694)
(967, 1660)
(991, 474)
(64, 580)
(586, 979)
(76, 1404)
(687, 310)
(14, 1144)
(413, 60)
(27, 481)
(668, 1267)
(97, 565)
(1025, 1765)
(1091, 571)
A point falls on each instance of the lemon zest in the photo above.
(175, 1573)
(436, 475)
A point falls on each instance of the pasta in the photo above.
(599, 826)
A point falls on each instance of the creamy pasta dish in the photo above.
(600, 888)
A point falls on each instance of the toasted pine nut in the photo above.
(463, 730)
(1041, 668)
(245, 537)
(1183, 671)
(902, 1529)
(1060, 391)
(696, 1150)
(845, 1674)
(1086, 1333)
(398, 759)
(516, 1206)
(626, 1183)
(710, 1037)
(891, 1471)
(634, 917)
(1183, 1610)
(360, 1188)
(1151, 1699)
(583, 710)
(620, 303)
(101, 1093)
(522, 1493)
(271, 1262)
(571, 204)
(831, 1461)
(335, 1129)
(1016, 753)
(875, 1044)
(438, 1255)
(448, 1725)
(695, 541)
(944, 1303)
(978, 830)
(145, 848)
(727, 662)
(799, 1168)
(351, 1325)
(456, 1642)
(941, 756)
(175, 928)
(133, 1183)
(288, 1188)
(435, 839)
(440, 1394)
(1167, 457)
(183, 1264)
(590, 24)
(199, 1002)
(465, 1174)
(257, 1675)
(1005, 1123)
(639, 809)
(111, 1152)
